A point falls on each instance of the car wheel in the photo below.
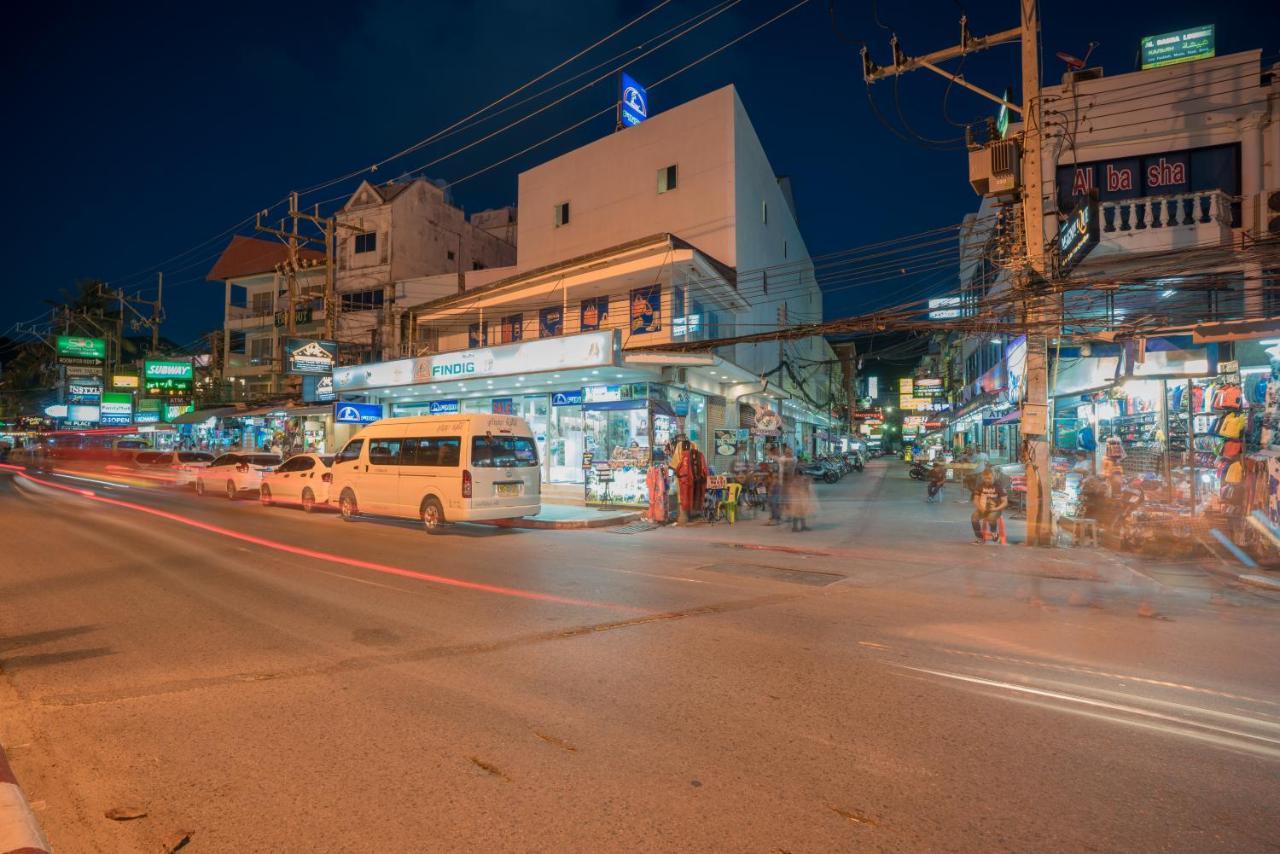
(232, 492)
(308, 501)
(432, 514)
(347, 506)
(199, 487)
(264, 495)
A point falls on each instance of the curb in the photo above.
(20, 832)
(1262, 582)
(568, 524)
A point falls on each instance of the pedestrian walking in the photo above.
(799, 501)
(936, 479)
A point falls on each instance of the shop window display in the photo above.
(618, 443)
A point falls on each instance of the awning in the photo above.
(201, 415)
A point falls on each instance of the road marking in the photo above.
(872, 644)
(1091, 702)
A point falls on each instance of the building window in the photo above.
(367, 242)
(512, 328)
(764, 212)
(260, 351)
(450, 254)
(784, 249)
(362, 300)
(667, 178)
(261, 302)
(562, 214)
(477, 265)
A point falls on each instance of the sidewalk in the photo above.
(569, 516)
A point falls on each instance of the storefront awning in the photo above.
(201, 415)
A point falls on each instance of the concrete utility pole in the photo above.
(157, 313)
(1035, 427)
(1040, 316)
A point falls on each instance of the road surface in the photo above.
(263, 679)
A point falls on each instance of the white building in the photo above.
(676, 229)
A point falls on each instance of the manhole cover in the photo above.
(810, 577)
(631, 528)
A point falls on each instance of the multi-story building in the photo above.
(673, 230)
(1182, 160)
(390, 236)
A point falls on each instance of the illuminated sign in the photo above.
(1181, 46)
(124, 381)
(928, 387)
(82, 348)
(443, 407)
(589, 350)
(310, 357)
(945, 308)
(633, 102)
(1078, 235)
(116, 408)
(347, 412)
(88, 414)
(567, 398)
(318, 389)
(172, 370)
(905, 386)
(1002, 117)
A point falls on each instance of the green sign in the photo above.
(1181, 46)
(167, 370)
(82, 348)
(1002, 117)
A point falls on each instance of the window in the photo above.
(301, 464)
(225, 460)
(194, 457)
(449, 254)
(784, 249)
(363, 300)
(477, 265)
(503, 452)
(350, 452)
(236, 342)
(366, 242)
(262, 302)
(512, 328)
(432, 451)
(261, 351)
(384, 452)
(666, 178)
(562, 214)
(764, 212)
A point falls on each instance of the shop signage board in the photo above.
(906, 387)
(944, 308)
(1079, 234)
(606, 393)
(57, 410)
(172, 410)
(726, 442)
(1015, 357)
(1180, 46)
(83, 413)
(300, 316)
(349, 412)
(646, 310)
(1002, 115)
(318, 389)
(550, 322)
(443, 407)
(116, 408)
(590, 350)
(587, 457)
(633, 101)
(83, 370)
(73, 350)
(167, 377)
(928, 387)
(125, 381)
(573, 397)
(305, 356)
(593, 313)
(504, 406)
(1162, 173)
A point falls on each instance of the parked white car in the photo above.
(234, 473)
(440, 468)
(176, 467)
(302, 480)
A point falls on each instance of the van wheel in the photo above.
(232, 492)
(432, 514)
(264, 495)
(308, 501)
(347, 506)
(199, 487)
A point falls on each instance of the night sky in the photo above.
(138, 132)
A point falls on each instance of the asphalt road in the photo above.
(271, 681)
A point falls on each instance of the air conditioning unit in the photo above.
(995, 169)
(1262, 214)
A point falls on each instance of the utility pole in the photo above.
(1039, 307)
(157, 313)
(1040, 315)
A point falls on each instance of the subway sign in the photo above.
(167, 370)
(1181, 46)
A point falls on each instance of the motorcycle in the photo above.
(919, 471)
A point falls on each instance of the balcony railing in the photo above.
(1183, 209)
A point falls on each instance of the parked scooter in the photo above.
(919, 471)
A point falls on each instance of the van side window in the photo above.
(431, 451)
(503, 452)
(384, 452)
(350, 452)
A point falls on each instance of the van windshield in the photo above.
(503, 452)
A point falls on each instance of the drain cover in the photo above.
(631, 528)
(810, 577)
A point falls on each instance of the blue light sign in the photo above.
(346, 412)
(442, 407)
(633, 105)
(567, 398)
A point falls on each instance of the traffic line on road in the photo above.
(326, 556)
(1168, 723)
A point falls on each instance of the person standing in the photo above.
(799, 502)
(775, 485)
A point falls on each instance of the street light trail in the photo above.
(326, 556)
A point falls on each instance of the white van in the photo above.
(440, 468)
